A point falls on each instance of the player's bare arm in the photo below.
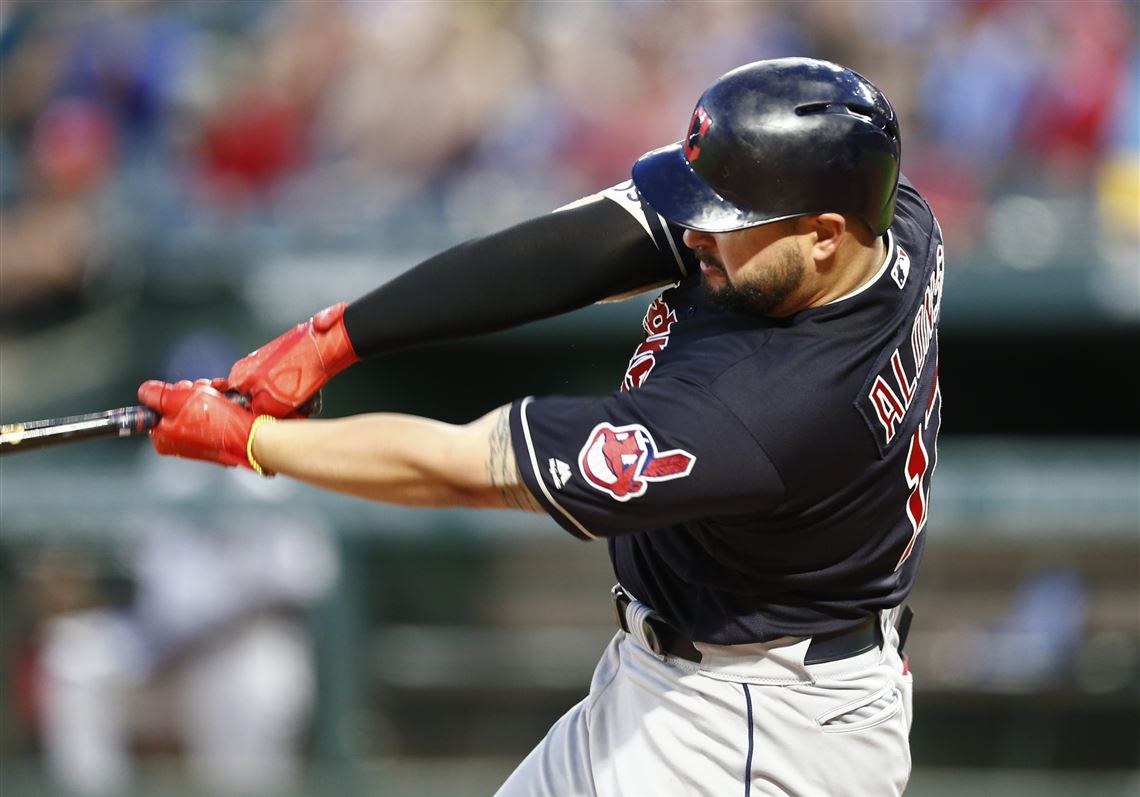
(397, 459)
(401, 459)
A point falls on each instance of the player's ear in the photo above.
(828, 229)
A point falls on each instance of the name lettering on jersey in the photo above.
(622, 460)
(559, 472)
(901, 268)
(893, 388)
(659, 320)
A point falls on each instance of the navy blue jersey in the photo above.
(758, 477)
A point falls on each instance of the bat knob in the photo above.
(312, 407)
(148, 419)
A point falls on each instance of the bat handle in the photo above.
(310, 408)
(140, 420)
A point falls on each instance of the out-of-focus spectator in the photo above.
(262, 101)
(49, 236)
(222, 620)
(76, 638)
(1084, 57)
(211, 658)
(979, 77)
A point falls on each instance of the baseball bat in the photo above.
(121, 422)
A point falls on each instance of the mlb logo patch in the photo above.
(559, 472)
(901, 268)
(622, 460)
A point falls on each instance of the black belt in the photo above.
(664, 640)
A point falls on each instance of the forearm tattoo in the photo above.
(502, 469)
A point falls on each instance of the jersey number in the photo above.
(918, 464)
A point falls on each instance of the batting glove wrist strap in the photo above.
(253, 463)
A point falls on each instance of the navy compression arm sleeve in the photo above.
(538, 269)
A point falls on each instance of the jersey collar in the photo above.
(888, 258)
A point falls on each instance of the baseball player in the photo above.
(761, 477)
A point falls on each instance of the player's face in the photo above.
(752, 271)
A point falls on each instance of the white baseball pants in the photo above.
(749, 720)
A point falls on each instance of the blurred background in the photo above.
(182, 180)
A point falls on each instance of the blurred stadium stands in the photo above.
(181, 180)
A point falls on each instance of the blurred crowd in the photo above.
(156, 131)
(191, 644)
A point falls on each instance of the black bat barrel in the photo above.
(122, 422)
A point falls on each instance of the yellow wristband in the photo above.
(253, 463)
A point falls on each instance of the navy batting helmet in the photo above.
(776, 139)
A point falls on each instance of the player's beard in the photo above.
(756, 293)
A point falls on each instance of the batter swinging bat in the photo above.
(122, 422)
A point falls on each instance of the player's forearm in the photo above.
(540, 268)
(401, 459)
(396, 459)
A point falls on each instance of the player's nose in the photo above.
(695, 239)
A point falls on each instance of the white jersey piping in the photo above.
(538, 473)
(888, 259)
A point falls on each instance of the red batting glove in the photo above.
(285, 373)
(198, 422)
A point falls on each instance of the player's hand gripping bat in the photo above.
(122, 422)
(281, 375)
(277, 377)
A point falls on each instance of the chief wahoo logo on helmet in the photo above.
(699, 125)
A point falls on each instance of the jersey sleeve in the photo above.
(666, 453)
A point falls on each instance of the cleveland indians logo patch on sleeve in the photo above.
(622, 460)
